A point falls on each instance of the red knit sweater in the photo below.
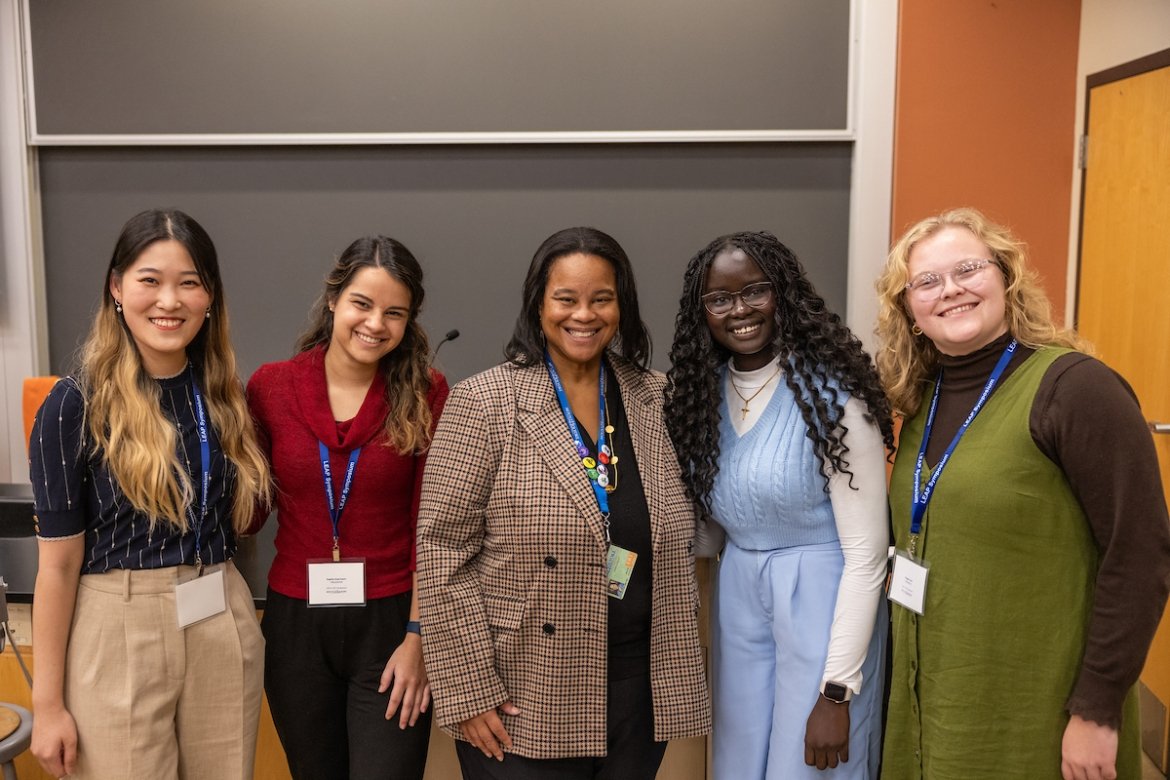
(290, 403)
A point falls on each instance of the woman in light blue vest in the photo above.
(781, 429)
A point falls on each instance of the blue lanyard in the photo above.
(205, 456)
(597, 473)
(335, 511)
(920, 500)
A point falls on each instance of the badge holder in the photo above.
(619, 566)
(619, 562)
(337, 583)
(908, 581)
(200, 598)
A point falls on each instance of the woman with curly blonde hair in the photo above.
(1032, 533)
(145, 467)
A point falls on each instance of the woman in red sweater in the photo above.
(346, 424)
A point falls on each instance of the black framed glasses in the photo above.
(720, 302)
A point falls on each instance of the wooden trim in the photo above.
(1158, 59)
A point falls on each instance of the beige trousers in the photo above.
(155, 702)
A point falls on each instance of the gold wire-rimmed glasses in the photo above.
(968, 274)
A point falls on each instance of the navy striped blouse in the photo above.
(74, 492)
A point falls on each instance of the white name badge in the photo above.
(908, 582)
(337, 583)
(200, 598)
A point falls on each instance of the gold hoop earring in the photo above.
(917, 331)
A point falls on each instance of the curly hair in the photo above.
(825, 361)
(907, 360)
(407, 367)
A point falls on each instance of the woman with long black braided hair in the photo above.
(781, 428)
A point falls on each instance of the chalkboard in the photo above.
(432, 66)
(473, 216)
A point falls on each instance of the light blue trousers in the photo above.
(772, 614)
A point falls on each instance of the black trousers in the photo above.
(632, 753)
(321, 674)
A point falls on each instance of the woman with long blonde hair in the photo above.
(1032, 533)
(347, 422)
(145, 466)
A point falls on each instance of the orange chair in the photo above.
(35, 390)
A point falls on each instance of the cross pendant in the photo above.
(744, 411)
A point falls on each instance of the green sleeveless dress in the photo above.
(980, 680)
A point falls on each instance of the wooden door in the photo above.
(1123, 302)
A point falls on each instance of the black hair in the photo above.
(153, 225)
(526, 347)
(369, 252)
(824, 365)
(407, 367)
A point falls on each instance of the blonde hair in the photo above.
(905, 360)
(123, 405)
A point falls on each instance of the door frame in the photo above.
(1154, 712)
(1155, 61)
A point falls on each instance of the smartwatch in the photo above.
(413, 627)
(836, 692)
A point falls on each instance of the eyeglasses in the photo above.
(968, 274)
(721, 302)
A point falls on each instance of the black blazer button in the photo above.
(549, 629)
(550, 562)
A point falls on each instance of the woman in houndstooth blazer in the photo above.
(557, 592)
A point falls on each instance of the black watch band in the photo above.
(836, 692)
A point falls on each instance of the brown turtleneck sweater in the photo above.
(1086, 419)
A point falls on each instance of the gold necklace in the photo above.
(613, 458)
(750, 398)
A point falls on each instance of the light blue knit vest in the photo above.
(769, 493)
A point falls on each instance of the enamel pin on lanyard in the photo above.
(337, 581)
(201, 597)
(908, 580)
(619, 561)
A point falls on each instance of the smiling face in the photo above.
(579, 314)
(960, 320)
(370, 316)
(164, 304)
(747, 333)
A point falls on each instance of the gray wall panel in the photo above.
(473, 216)
(297, 66)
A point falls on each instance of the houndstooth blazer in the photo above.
(511, 567)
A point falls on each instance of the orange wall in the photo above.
(986, 103)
